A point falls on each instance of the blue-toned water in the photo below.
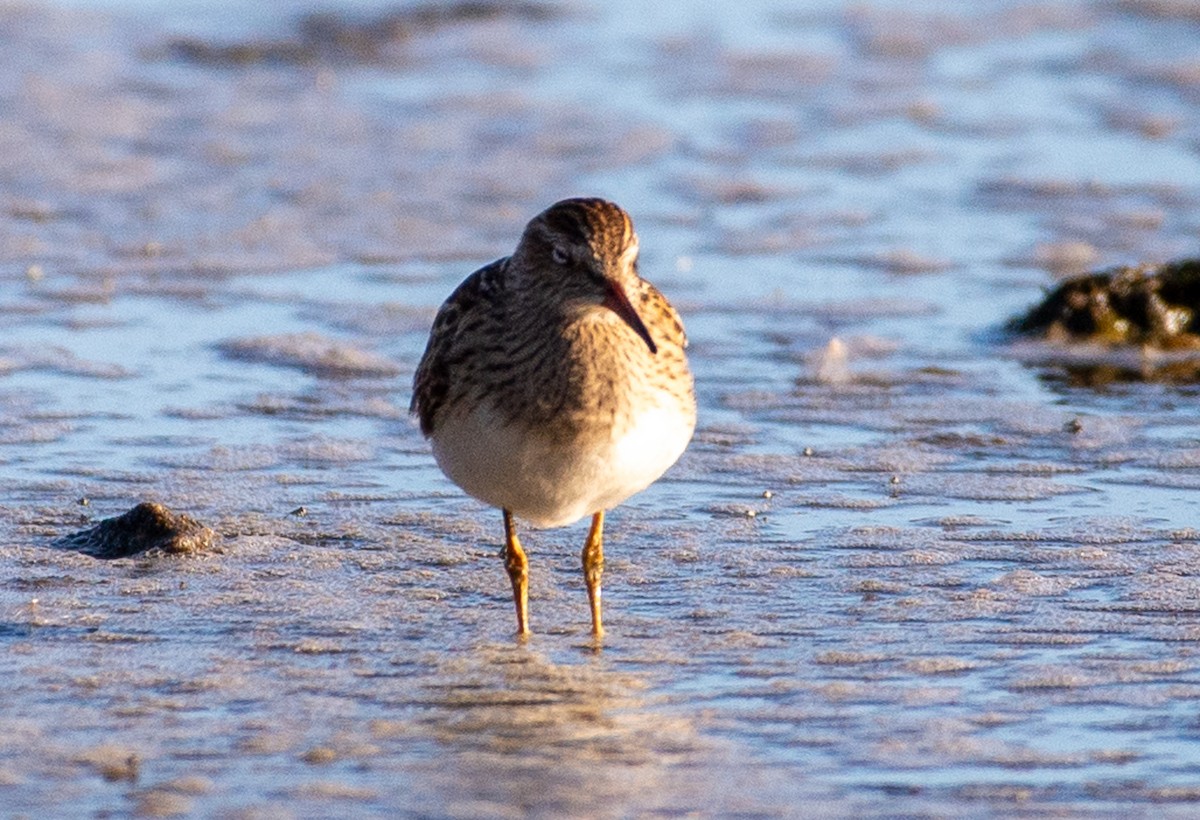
(905, 568)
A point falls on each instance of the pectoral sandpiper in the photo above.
(554, 384)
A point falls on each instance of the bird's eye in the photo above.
(559, 254)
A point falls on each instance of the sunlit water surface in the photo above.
(900, 571)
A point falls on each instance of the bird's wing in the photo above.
(465, 308)
(655, 305)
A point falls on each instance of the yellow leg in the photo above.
(518, 572)
(593, 568)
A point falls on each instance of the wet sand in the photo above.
(905, 568)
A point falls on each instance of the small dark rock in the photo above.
(148, 526)
(1154, 305)
(126, 769)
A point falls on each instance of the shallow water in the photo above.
(913, 571)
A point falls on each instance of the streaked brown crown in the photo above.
(591, 233)
(602, 225)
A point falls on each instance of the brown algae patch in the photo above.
(112, 762)
(54, 359)
(941, 665)
(1152, 305)
(981, 487)
(311, 352)
(341, 39)
(146, 527)
(1138, 323)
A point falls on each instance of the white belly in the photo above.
(551, 483)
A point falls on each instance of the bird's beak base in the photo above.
(619, 303)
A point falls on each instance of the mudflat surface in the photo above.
(906, 567)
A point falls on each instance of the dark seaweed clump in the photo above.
(1149, 305)
(337, 39)
(146, 527)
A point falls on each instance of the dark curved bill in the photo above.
(618, 303)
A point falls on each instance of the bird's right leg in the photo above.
(593, 569)
(518, 572)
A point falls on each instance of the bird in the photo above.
(555, 384)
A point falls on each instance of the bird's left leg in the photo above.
(593, 568)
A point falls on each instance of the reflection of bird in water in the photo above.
(554, 384)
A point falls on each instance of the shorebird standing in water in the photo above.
(555, 385)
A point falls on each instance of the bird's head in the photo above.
(588, 249)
